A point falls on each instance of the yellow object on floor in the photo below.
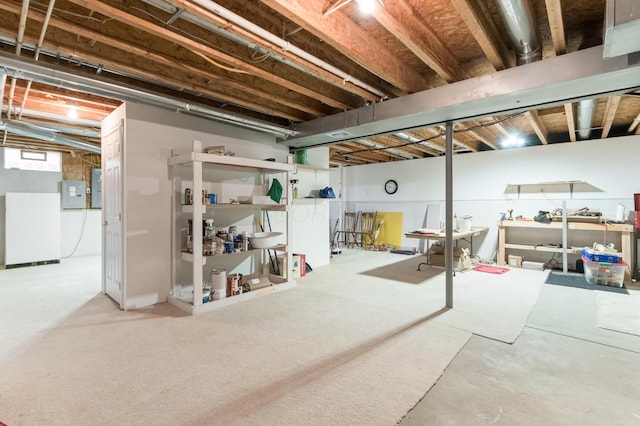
(391, 231)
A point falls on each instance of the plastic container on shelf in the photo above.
(604, 273)
(597, 256)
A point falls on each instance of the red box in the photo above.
(303, 264)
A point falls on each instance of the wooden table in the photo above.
(624, 232)
(456, 236)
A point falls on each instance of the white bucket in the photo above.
(217, 294)
(463, 223)
(218, 279)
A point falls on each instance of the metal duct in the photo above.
(21, 128)
(585, 108)
(247, 25)
(28, 69)
(585, 118)
(520, 20)
(31, 131)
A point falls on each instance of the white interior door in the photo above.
(113, 255)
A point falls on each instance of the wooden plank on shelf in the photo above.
(519, 246)
(217, 304)
(582, 226)
(262, 165)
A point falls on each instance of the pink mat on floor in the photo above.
(491, 269)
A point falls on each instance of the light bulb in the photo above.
(367, 6)
(513, 140)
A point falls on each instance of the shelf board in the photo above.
(582, 226)
(188, 208)
(190, 308)
(227, 160)
(308, 200)
(540, 248)
(188, 257)
(311, 168)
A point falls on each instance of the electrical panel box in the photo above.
(74, 194)
(96, 188)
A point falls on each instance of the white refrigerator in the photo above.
(32, 227)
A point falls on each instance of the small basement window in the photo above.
(24, 159)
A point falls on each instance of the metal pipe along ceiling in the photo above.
(520, 20)
(24, 129)
(285, 45)
(27, 69)
(243, 23)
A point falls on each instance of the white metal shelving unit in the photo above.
(196, 163)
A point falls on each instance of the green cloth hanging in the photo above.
(275, 192)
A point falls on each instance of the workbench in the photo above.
(623, 231)
(441, 236)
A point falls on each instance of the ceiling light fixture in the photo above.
(367, 6)
(513, 141)
(72, 113)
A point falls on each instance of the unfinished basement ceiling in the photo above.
(286, 62)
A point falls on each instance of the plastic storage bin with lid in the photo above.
(604, 273)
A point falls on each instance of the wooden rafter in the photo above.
(613, 102)
(571, 121)
(352, 41)
(485, 33)
(467, 126)
(247, 35)
(405, 23)
(142, 73)
(400, 145)
(538, 126)
(364, 150)
(634, 124)
(556, 24)
(205, 50)
(172, 63)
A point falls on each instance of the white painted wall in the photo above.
(310, 217)
(480, 180)
(150, 135)
(81, 232)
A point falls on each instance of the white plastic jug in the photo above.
(463, 223)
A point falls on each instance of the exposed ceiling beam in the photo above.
(467, 128)
(417, 144)
(352, 41)
(166, 62)
(551, 82)
(406, 24)
(610, 114)
(537, 126)
(217, 20)
(468, 144)
(142, 73)
(634, 124)
(571, 121)
(199, 48)
(556, 25)
(485, 33)
(395, 143)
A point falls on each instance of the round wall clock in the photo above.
(391, 186)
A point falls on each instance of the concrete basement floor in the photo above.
(562, 370)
